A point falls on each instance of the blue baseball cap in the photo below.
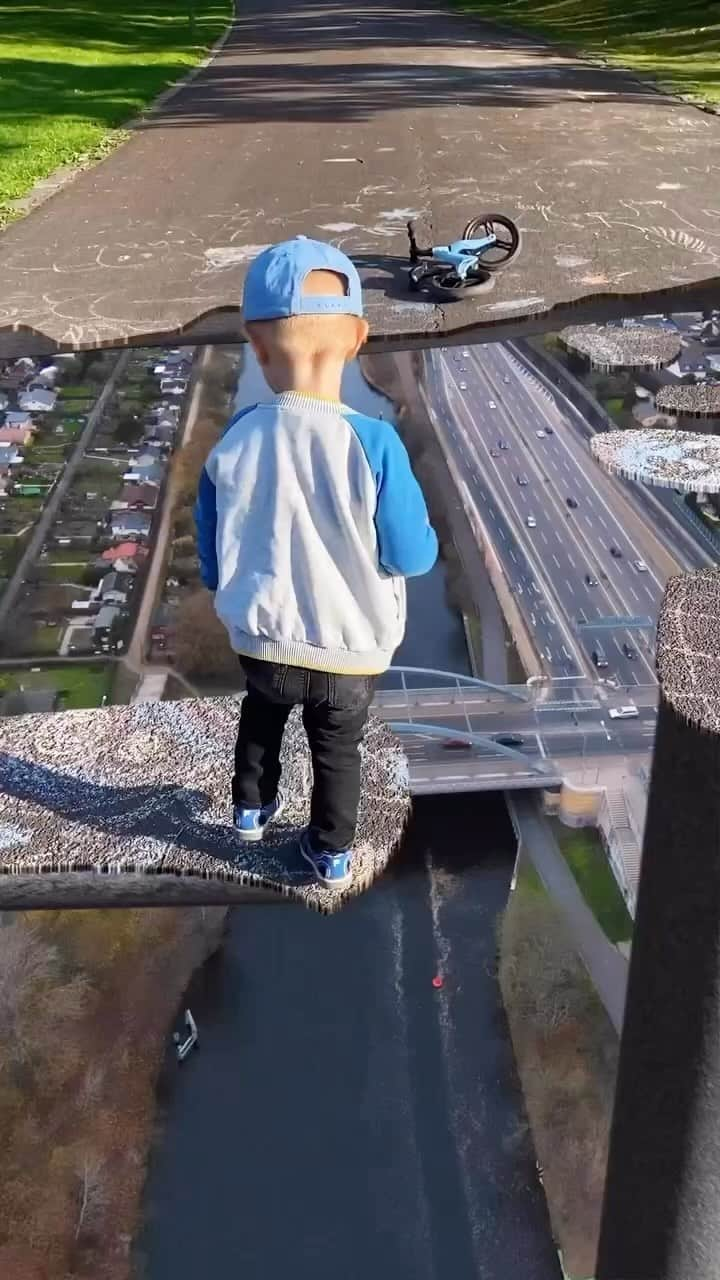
(274, 282)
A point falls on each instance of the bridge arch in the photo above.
(520, 692)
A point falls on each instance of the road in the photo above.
(50, 510)
(547, 565)
(135, 656)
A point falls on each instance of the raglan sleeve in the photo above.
(407, 542)
(205, 513)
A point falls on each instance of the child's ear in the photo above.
(257, 344)
(361, 335)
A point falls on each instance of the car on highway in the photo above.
(503, 444)
(531, 522)
(641, 566)
(508, 739)
(629, 651)
(591, 582)
(463, 386)
(466, 355)
(630, 712)
(455, 744)
(572, 503)
(549, 431)
(492, 404)
(522, 480)
(506, 380)
(541, 434)
(494, 453)
(616, 553)
(462, 369)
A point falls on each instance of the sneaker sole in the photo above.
(255, 836)
(333, 885)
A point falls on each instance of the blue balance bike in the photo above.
(467, 266)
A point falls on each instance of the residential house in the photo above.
(125, 525)
(9, 457)
(16, 435)
(24, 702)
(45, 377)
(173, 386)
(40, 400)
(104, 623)
(149, 471)
(129, 555)
(159, 438)
(18, 418)
(138, 497)
(113, 588)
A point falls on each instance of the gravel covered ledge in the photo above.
(130, 806)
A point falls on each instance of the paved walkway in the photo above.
(605, 964)
(342, 120)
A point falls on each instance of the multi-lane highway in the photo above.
(491, 410)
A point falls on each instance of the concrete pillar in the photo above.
(661, 1219)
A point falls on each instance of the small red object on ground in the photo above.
(437, 981)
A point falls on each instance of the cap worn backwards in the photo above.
(274, 284)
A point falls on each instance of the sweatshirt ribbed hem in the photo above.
(294, 653)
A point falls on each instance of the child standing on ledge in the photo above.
(309, 519)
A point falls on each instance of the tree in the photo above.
(202, 647)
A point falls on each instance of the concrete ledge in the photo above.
(131, 806)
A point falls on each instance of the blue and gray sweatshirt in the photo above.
(309, 519)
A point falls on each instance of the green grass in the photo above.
(75, 392)
(615, 409)
(63, 572)
(679, 45)
(72, 72)
(588, 862)
(83, 685)
(45, 639)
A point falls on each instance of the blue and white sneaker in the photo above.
(250, 824)
(331, 869)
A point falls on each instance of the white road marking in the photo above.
(557, 562)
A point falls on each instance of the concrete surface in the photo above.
(342, 121)
(139, 796)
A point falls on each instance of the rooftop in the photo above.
(670, 459)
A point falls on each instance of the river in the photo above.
(344, 1116)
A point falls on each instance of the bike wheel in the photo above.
(507, 236)
(446, 285)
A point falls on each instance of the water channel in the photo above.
(344, 1116)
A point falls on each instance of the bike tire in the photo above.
(507, 248)
(446, 286)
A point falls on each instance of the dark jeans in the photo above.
(335, 710)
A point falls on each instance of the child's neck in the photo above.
(323, 381)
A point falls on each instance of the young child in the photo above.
(309, 518)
